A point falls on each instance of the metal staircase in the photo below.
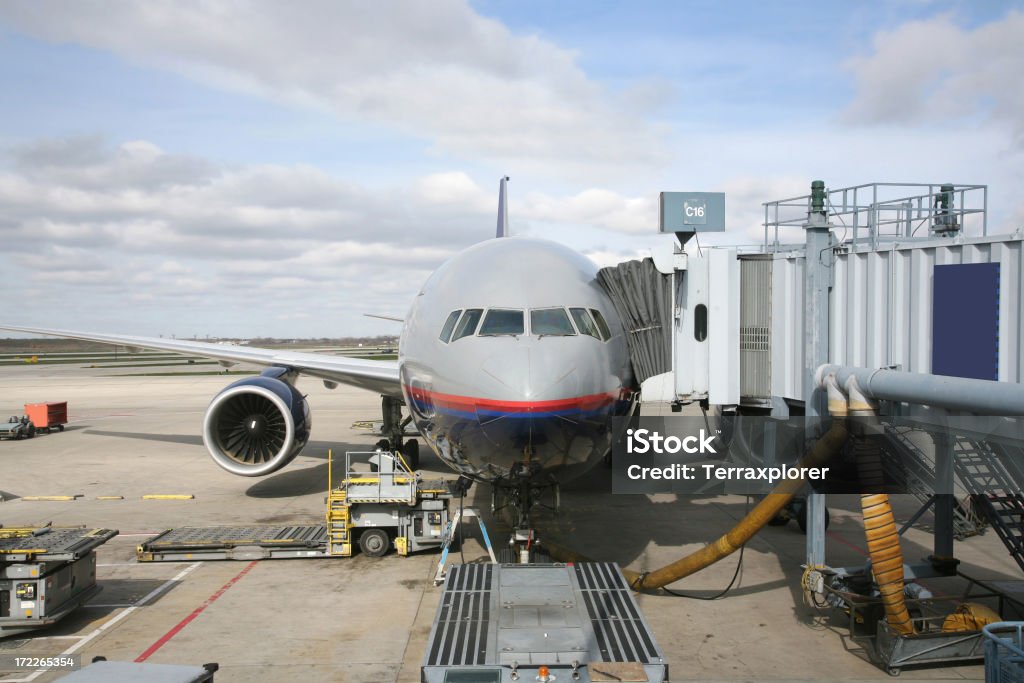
(339, 524)
(905, 462)
(985, 469)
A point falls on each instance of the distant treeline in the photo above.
(43, 346)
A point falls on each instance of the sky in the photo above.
(241, 169)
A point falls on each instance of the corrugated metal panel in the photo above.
(460, 634)
(642, 296)
(755, 327)
(882, 307)
(788, 325)
(622, 635)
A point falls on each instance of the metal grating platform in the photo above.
(51, 544)
(236, 542)
(621, 633)
(502, 622)
(463, 617)
(240, 535)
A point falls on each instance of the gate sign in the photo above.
(692, 211)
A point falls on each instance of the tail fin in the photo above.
(503, 208)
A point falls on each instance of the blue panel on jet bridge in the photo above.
(965, 320)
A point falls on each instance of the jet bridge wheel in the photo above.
(374, 543)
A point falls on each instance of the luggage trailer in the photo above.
(45, 574)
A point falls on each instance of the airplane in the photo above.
(512, 363)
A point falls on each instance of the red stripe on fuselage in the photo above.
(470, 404)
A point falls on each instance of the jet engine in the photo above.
(257, 425)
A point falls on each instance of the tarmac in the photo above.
(365, 619)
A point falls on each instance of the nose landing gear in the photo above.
(522, 493)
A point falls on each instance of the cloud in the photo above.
(595, 206)
(435, 70)
(241, 249)
(934, 70)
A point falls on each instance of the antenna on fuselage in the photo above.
(503, 208)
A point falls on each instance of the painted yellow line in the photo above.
(109, 497)
(62, 498)
(168, 496)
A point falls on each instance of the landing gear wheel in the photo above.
(411, 453)
(60, 428)
(893, 671)
(374, 543)
(801, 518)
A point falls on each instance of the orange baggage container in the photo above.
(48, 415)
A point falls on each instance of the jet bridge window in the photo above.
(602, 324)
(449, 325)
(501, 321)
(550, 322)
(467, 325)
(584, 323)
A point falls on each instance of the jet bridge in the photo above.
(880, 275)
(912, 279)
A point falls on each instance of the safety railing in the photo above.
(872, 212)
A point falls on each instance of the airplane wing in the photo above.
(377, 376)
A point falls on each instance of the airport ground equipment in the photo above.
(253, 542)
(17, 428)
(48, 416)
(103, 671)
(379, 504)
(46, 573)
(1004, 652)
(945, 630)
(508, 623)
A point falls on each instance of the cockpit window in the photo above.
(602, 324)
(467, 325)
(502, 321)
(550, 321)
(449, 325)
(584, 323)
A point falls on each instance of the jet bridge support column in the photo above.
(943, 542)
(817, 280)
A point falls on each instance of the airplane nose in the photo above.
(531, 376)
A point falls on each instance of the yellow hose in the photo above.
(745, 529)
(879, 525)
(886, 559)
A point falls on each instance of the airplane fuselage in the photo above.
(513, 361)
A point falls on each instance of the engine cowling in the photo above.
(257, 425)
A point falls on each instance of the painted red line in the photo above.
(195, 613)
(836, 537)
